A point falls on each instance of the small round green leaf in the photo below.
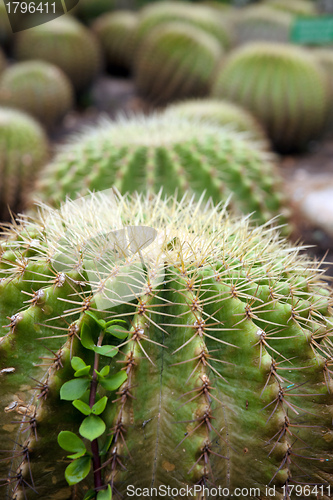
(106, 350)
(105, 494)
(77, 470)
(105, 371)
(74, 389)
(70, 442)
(114, 382)
(117, 331)
(99, 407)
(83, 372)
(86, 338)
(82, 407)
(77, 363)
(92, 427)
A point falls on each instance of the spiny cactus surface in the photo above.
(223, 113)
(149, 152)
(175, 61)
(283, 86)
(116, 32)
(23, 150)
(38, 88)
(201, 16)
(66, 43)
(225, 364)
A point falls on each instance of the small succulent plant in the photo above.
(283, 86)
(176, 60)
(65, 43)
(224, 330)
(223, 113)
(116, 33)
(149, 152)
(23, 151)
(201, 16)
(38, 88)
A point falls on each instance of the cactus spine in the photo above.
(227, 358)
(149, 152)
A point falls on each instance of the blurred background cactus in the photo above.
(223, 113)
(65, 43)
(116, 33)
(283, 86)
(174, 61)
(23, 151)
(38, 88)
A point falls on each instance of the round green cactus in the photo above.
(283, 86)
(297, 7)
(66, 43)
(176, 61)
(223, 113)
(38, 88)
(261, 22)
(220, 375)
(201, 16)
(23, 151)
(149, 152)
(116, 32)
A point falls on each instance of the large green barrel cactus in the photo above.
(116, 32)
(38, 88)
(23, 150)
(219, 375)
(176, 60)
(282, 86)
(261, 22)
(146, 153)
(223, 113)
(202, 16)
(66, 43)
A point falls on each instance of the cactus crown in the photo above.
(229, 345)
(146, 152)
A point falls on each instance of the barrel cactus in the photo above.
(149, 152)
(225, 330)
(223, 113)
(23, 150)
(38, 88)
(201, 16)
(261, 22)
(175, 61)
(116, 32)
(283, 86)
(297, 7)
(65, 43)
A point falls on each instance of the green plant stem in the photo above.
(96, 459)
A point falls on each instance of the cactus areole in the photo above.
(218, 377)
